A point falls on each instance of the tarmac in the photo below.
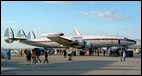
(81, 65)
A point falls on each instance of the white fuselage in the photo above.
(95, 40)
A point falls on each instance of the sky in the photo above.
(121, 18)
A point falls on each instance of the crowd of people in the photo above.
(34, 56)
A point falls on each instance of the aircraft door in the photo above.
(118, 41)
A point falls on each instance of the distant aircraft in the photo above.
(57, 40)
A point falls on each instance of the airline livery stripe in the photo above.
(97, 39)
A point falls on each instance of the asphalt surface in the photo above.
(81, 65)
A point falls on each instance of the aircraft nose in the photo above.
(135, 42)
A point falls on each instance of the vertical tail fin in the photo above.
(9, 35)
(31, 35)
(21, 34)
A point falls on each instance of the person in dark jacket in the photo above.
(28, 56)
(65, 53)
(37, 55)
(46, 52)
(121, 56)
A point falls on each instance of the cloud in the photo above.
(107, 14)
(60, 2)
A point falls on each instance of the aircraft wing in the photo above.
(63, 41)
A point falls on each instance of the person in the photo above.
(74, 53)
(25, 51)
(104, 52)
(109, 51)
(90, 51)
(33, 57)
(121, 55)
(60, 52)
(37, 51)
(95, 51)
(6, 55)
(98, 51)
(28, 57)
(70, 55)
(46, 52)
(65, 53)
(21, 53)
(9, 54)
(124, 56)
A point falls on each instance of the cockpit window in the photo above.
(126, 38)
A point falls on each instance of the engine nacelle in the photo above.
(9, 35)
(88, 45)
(80, 42)
(53, 34)
(83, 43)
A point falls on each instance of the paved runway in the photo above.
(81, 65)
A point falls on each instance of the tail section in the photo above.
(21, 34)
(31, 35)
(9, 35)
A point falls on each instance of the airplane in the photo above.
(58, 40)
(136, 47)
